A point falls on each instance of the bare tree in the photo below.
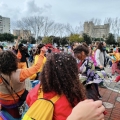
(74, 30)
(48, 26)
(23, 25)
(27, 24)
(79, 28)
(34, 24)
(55, 29)
(117, 25)
(109, 21)
(69, 29)
(39, 20)
(114, 25)
(61, 31)
(96, 21)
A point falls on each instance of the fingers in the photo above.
(88, 100)
(101, 117)
(100, 110)
(98, 103)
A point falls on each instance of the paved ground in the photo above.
(111, 97)
(110, 82)
(111, 101)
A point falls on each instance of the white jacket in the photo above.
(99, 57)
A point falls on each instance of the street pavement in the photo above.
(109, 82)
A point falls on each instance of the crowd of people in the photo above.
(72, 78)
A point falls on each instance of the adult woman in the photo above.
(36, 75)
(87, 72)
(12, 83)
(100, 56)
(59, 77)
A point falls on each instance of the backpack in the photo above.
(41, 109)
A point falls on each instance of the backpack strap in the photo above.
(40, 95)
(40, 92)
(55, 98)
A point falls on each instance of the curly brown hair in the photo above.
(8, 62)
(60, 74)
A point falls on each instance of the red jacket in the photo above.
(62, 106)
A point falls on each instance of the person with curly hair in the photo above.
(59, 77)
(12, 82)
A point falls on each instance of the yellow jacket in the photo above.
(117, 56)
(40, 70)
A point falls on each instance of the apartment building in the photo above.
(4, 25)
(25, 34)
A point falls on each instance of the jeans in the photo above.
(6, 116)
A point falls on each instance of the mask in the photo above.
(104, 48)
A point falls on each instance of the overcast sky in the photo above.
(62, 11)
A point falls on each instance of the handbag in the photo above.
(21, 105)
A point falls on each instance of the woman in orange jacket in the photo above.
(36, 75)
(13, 78)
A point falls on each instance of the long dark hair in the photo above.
(38, 48)
(100, 46)
(60, 74)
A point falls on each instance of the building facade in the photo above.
(96, 31)
(25, 34)
(4, 25)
